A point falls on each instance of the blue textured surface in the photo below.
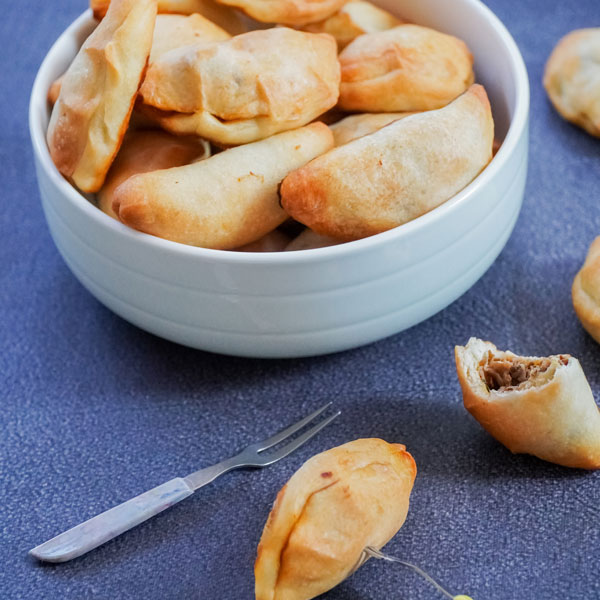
(94, 411)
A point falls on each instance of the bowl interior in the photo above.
(498, 65)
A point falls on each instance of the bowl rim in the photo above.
(517, 125)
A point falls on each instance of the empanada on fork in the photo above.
(336, 504)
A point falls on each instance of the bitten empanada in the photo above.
(572, 78)
(223, 16)
(336, 504)
(389, 177)
(225, 201)
(175, 31)
(407, 68)
(246, 88)
(353, 19)
(533, 405)
(91, 114)
(586, 291)
(144, 151)
(286, 12)
(355, 126)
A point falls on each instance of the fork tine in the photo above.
(293, 445)
(279, 437)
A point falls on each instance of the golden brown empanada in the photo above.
(533, 405)
(572, 78)
(353, 19)
(586, 291)
(144, 151)
(389, 177)
(244, 89)
(175, 31)
(223, 16)
(98, 90)
(355, 126)
(287, 12)
(225, 201)
(336, 504)
(407, 68)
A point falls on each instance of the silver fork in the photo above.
(103, 527)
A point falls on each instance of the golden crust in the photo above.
(337, 503)
(586, 291)
(145, 151)
(554, 418)
(407, 68)
(223, 202)
(175, 31)
(355, 126)
(96, 97)
(223, 16)
(240, 90)
(353, 19)
(389, 177)
(572, 78)
(287, 12)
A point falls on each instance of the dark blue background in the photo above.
(94, 411)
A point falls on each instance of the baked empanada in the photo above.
(353, 19)
(355, 126)
(572, 78)
(391, 176)
(407, 68)
(175, 31)
(246, 88)
(225, 201)
(144, 151)
(287, 12)
(336, 504)
(223, 16)
(586, 291)
(98, 90)
(533, 405)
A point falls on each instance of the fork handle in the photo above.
(107, 525)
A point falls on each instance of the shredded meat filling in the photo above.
(506, 372)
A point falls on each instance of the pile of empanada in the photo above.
(198, 123)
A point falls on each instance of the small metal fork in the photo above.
(104, 527)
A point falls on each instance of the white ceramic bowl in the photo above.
(313, 301)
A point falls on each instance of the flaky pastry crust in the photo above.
(225, 201)
(572, 78)
(336, 504)
(586, 291)
(242, 89)
(407, 68)
(353, 19)
(391, 176)
(223, 16)
(175, 31)
(91, 114)
(145, 151)
(287, 12)
(355, 126)
(533, 405)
